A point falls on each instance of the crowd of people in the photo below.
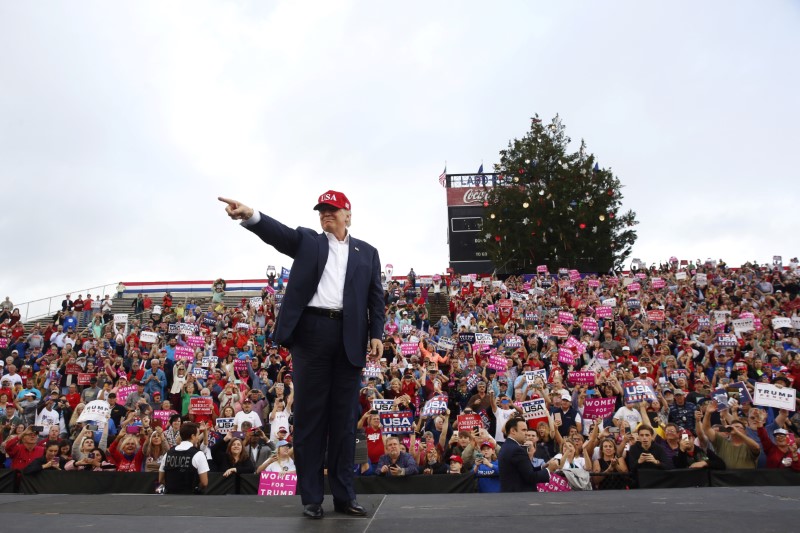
(656, 368)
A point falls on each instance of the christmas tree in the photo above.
(553, 207)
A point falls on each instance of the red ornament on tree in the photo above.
(485, 204)
(497, 238)
(582, 225)
(522, 171)
(611, 215)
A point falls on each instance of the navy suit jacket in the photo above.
(516, 471)
(363, 293)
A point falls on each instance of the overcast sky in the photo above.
(121, 123)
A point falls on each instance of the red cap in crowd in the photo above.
(334, 199)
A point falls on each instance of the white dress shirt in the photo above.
(330, 291)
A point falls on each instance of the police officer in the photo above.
(184, 469)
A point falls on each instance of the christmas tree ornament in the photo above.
(488, 235)
(498, 238)
(516, 179)
(594, 229)
(541, 192)
(602, 218)
(527, 161)
(596, 167)
(611, 215)
(582, 225)
(491, 216)
(485, 204)
(526, 205)
(522, 171)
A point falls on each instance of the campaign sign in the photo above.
(225, 425)
(638, 390)
(498, 363)
(473, 380)
(566, 356)
(469, 422)
(408, 348)
(634, 287)
(703, 321)
(513, 341)
(161, 417)
(680, 276)
(277, 484)
(575, 345)
(121, 318)
(721, 317)
(446, 343)
(598, 407)
(405, 329)
(589, 324)
(556, 484)
(677, 373)
(184, 353)
(382, 406)
(727, 340)
(372, 369)
(603, 311)
(574, 275)
(95, 411)
(148, 336)
(781, 322)
(535, 409)
(658, 283)
(391, 328)
(593, 283)
(466, 338)
(655, 315)
(73, 369)
(195, 341)
(701, 280)
(483, 338)
(557, 330)
(531, 317)
(581, 378)
(633, 303)
(435, 406)
(123, 392)
(209, 361)
(240, 367)
(541, 269)
(200, 406)
(398, 422)
(742, 325)
(84, 379)
(531, 375)
(199, 372)
(565, 317)
(739, 389)
(770, 395)
(256, 301)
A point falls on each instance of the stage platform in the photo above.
(752, 509)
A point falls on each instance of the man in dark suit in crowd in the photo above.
(331, 314)
(516, 470)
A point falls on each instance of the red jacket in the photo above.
(20, 455)
(774, 454)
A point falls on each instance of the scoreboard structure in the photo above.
(466, 194)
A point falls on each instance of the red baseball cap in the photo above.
(334, 199)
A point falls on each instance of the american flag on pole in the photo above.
(443, 177)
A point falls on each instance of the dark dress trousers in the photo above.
(328, 353)
(516, 471)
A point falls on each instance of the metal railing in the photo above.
(46, 307)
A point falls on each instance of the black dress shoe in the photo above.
(313, 510)
(352, 508)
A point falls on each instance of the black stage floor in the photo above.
(751, 509)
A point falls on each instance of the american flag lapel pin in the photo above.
(356, 248)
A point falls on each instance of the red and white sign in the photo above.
(277, 484)
(473, 196)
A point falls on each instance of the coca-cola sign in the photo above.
(471, 196)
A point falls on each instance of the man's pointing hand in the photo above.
(236, 210)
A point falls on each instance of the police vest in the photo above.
(180, 476)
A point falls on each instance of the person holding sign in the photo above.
(331, 311)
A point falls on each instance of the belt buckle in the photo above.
(332, 314)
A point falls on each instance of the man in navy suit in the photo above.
(331, 315)
(516, 469)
